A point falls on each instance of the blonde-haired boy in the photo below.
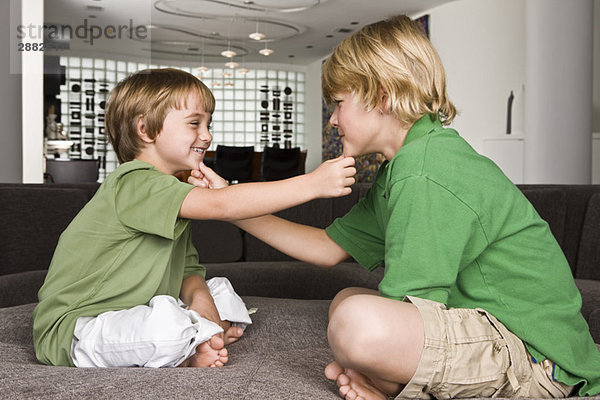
(477, 299)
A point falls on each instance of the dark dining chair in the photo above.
(234, 163)
(72, 171)
(278, 163)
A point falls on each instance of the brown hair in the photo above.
(149, 93)
(393, 56)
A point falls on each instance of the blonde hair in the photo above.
(149, 93)
(394, 57)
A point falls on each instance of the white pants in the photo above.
(162, 334)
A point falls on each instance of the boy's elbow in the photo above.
(326, 265)
(330, 261)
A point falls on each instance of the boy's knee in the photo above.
(344, 294)
(347, 329)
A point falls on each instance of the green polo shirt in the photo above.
(451, 227)
(126, 246)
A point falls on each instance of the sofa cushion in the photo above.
(217, 241)
(588, 261)
(281, 355)
(293, 279)
(40, 217)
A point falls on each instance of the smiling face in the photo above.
(184, 139)
(357, 128)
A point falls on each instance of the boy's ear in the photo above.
(140, 124)
(383, 101)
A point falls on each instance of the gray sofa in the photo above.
(282, 355)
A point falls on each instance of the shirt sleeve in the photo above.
(431, 234)
(149, 201)
(359, 233)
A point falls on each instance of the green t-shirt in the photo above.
(451, 227)
(126, 246)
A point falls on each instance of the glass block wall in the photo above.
(263, 107)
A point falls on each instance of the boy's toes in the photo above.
(348, 393)
(216, 342)
(333, 370)
(343, 380)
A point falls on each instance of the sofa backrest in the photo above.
(44, 212)
(577, 198)
(570, 210)
(588, 262)
(551, 205)
(217, 241)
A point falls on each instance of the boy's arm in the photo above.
(333, 178)
(303, 242)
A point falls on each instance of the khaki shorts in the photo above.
(469, 353)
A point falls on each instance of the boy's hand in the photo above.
(334, 177)
(205, 177)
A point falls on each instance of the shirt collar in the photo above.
(422, 127)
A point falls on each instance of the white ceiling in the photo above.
(299, 31)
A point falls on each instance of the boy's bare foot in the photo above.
(353, 385)
(232, 334)
(211, 353)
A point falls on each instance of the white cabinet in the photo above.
(509, 154)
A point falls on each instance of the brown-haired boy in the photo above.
(110, 296)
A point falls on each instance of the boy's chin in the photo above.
(351, 153)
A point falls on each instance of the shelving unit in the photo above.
(261, 108)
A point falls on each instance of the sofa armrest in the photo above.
(594, 324)
(20, 288)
